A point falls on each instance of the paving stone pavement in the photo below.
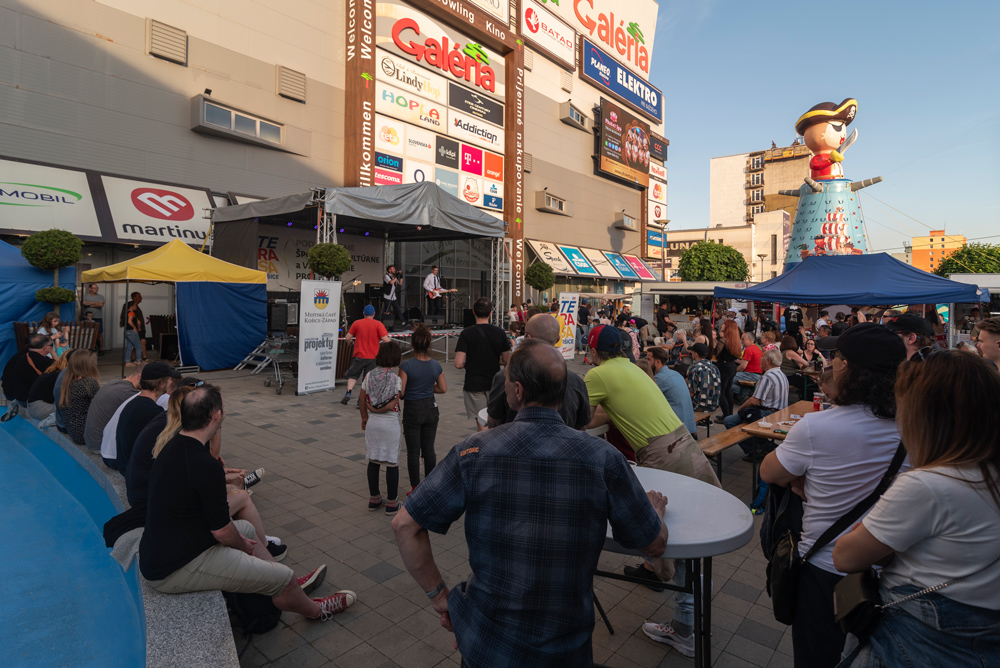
(314, 497)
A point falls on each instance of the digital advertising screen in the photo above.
(624, 150)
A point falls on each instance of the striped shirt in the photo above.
(772, 389)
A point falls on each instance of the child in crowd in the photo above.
(379, 403)
(516, 334)
(643, 364)
(60, 335)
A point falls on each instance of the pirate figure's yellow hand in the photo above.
(836, 156)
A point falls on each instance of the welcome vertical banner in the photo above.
(569, 302)
(319, 331)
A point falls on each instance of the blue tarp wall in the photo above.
(872, 279)
(18, 283)
(219, 323)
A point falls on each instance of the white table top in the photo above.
(702, 520)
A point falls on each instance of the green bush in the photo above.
(539, 276)
(52, 249)
(329, 260)
(55, 296)
(709, 261)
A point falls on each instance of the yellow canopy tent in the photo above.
(221, 307)
(173, 263)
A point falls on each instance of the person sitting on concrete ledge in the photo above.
(106, 402)
(42, 398)
(157, 379)
(191, 544)
(23, 368)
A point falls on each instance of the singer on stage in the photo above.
(432, 286)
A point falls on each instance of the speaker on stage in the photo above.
(435, 321)
(415, 315)
(373, 291)
(468, 317)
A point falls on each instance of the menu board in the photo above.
(624, 150)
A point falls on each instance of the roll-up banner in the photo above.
(319, 330)
(569, 303)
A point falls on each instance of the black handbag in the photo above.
(784, 563)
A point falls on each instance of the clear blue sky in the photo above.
(737, 75)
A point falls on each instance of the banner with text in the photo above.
(569, 303)
(319, 331)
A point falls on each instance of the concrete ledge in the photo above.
(182, 630)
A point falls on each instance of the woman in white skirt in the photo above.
(379, 402)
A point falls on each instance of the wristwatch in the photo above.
(437, 590)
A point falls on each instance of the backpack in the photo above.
(256, 613)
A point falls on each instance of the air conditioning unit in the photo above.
(623, 221)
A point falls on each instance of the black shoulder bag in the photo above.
(784, 562)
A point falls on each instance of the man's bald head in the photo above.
(539, 368)
(544, 327)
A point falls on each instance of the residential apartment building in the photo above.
(928, 252)
(150, 112)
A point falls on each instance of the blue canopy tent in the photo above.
(18, 283)
(872, 279)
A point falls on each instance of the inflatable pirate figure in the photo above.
(828, 217)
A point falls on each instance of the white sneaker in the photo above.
(666, 635)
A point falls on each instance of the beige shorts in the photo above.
(475, 402)
(227, 569)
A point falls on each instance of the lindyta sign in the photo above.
(600, 69)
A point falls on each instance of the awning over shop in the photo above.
(641, 269)
(579, 261)
(601, 263)
(550, 254)
(623, 267)
(590, 262)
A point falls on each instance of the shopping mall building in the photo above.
(126, 121)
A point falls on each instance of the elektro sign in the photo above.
(600, 69)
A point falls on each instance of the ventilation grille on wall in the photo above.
(529, 59)
(566, 80)
(529, 161)
(166, 42)
(291, 84)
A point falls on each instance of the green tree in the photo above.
(329, 260)
(539, 276)
(972, 259)
(709, 261)
(53, 249)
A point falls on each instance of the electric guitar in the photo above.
(434, 294)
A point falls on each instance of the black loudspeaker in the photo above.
(354, 305)
(415, 315)
(373, 291)
(468, 317)
(435, 321)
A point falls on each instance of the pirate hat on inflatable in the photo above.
(827, 111)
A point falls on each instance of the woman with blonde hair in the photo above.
(938, 524)
(80, 384)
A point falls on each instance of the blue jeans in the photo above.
(132, 344)
(684, 612)
(581, 339)
(927, 631)
(734, 420)
(743, 375)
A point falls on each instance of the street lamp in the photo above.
(762, 256)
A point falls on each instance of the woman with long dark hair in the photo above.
(78, 389)
(422, 378)
(834, 459)
(726, 359)
(938, 523)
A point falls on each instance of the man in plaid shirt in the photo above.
(703, 380)
(537, 498)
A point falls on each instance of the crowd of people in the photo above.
(533, 486)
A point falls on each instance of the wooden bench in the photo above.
(81, 334)
(704, 418)
(714, 447)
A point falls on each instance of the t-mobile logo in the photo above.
(163, 204)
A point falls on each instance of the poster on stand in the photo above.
(569, 302)
(319, 330)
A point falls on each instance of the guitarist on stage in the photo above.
(432, 285)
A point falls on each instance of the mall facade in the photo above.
(126, 121)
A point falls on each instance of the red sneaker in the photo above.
(312, 581)
(331, 605)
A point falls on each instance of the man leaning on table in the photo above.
(537, 498)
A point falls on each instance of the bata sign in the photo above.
(626, 29)
(548, 33)
(469, 62)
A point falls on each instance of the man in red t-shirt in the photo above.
(749, 366)
(369, 333)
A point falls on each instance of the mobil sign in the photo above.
(548, 33)
(150, 212)
(35, 198)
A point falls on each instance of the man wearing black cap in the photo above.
(835, 459)
(156, 380)
(917, 334)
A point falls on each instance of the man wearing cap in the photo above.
(369, 333)
(834, 459)
(824, 129)
(157, 379)
(916, 332)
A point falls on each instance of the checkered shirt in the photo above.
(705, 383)
(537, 498)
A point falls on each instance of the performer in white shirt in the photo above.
(432, 286)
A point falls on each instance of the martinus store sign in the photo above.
(35, 198)
(600, 69)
